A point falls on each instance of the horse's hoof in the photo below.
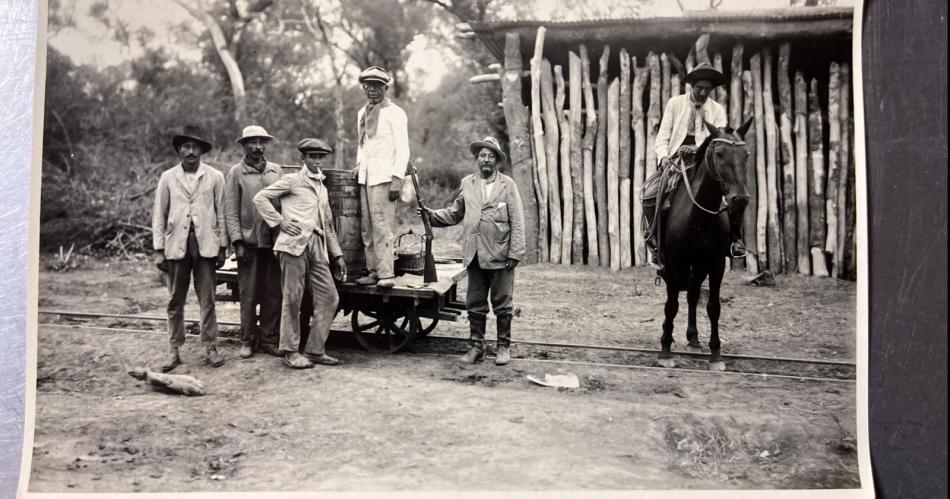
(666, 363)
(717, 366)
(693, 349)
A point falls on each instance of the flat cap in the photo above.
(317, 145)
(375, 73)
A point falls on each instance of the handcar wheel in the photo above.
(388, 329)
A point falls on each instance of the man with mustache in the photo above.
(489, 207)
(190, 239)
(381, 160)
(258, 270)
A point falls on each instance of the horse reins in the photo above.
(715, 173)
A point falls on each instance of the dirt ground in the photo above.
(422, 422)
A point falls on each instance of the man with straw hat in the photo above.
(489, 208)
(257, 267)
(190, 240)
(381, 160)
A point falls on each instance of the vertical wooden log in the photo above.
(577, 168)
(613, 179)
(851, 264)
(776, 257)
(626, 254)
(547, 175)
(590, 131)
(801, 172)
(600, 161)
(735, 88)
(722, 93)
(566, 196)
(690, 64)
(653, 114)
(701, 49)
(846, 186)
(554, 118)
(816, 183)
(751, 211)
(641, 76)
(787, 149)
(665, 83)
(519, 142)
(762, 210)
(834, 149)
(539, 147)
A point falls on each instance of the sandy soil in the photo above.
(422, 422)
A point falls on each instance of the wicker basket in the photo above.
(410, 254)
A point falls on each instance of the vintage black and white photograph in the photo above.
(462, 246)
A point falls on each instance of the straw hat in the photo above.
(253, 131)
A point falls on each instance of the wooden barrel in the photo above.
(345, 204)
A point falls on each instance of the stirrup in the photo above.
(737, 254)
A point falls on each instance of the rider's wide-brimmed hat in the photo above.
(377, 74)
(252, 132)
(490, 143)
(705, 71)
(192, 133)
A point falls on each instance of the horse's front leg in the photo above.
(669, 313)
(692, 299)
(712, 310)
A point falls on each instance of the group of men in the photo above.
(281, 229)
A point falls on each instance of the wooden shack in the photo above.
(583, 101)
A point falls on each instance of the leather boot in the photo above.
(212, 356)
(502, 354)
(477, 340)
(172, 361)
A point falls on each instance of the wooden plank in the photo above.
(653, 113)
(834, 150)
(577, 167)
(762, 210)
(665, 75)
(801, 172)
(590, 131)
(519, 142)
(641, 77)
(558, 220)
(776, 254)
(787, 157)
(547, 174)
(613, 180)
(600, 161)
(751, 210)
(735, 115)
(676, 79)
(722, 93)
(816, 183)
(626, 255)
(701, 48)
(539, 147)
(690, 64)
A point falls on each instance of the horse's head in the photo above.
(725, 157)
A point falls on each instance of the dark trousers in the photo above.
(259, 284)
(494, 285)
(180, 273)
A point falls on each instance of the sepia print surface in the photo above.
(763, 385)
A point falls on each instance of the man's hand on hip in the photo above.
(290, 227)
(394, 187)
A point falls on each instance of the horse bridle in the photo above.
(714, 170)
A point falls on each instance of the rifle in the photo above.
(429, 275)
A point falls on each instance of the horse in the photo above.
(697, 233)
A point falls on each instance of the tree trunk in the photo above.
(600, 161)
(626, 255)
(565, 218)
(613, 180)
(641, 76)
(816, 183)
(519, 142)
(590, 131)
(776, 254)
(749, 221)
(789, 208)
(551, 213)
(539, 147)
(845, 186)
(834, 150)
(577, 168)
(653, 114)
(801, 171)
(762, 210)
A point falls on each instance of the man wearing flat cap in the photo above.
(682, 130)
(489, 208)
(381, 160)
(257, 267)
(305, 247)
(190, 240)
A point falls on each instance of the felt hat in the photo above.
(490, 143)
(377, 74)
(192, 133)
(317, 145)
(253, 131)
(705, 71)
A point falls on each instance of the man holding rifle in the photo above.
(489, 207)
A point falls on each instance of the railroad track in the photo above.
(542, 352)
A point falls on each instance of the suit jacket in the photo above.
(243, 220)
(675, 123)
(178, 206)
(492, 228)
(304, 200)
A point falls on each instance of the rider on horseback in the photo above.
(682, 130)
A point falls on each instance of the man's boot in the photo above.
(477, 339)
(212, 356)
(502, 353)
(172, 361)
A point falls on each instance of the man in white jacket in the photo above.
(381, 161)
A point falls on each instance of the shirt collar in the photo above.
(319, 176)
